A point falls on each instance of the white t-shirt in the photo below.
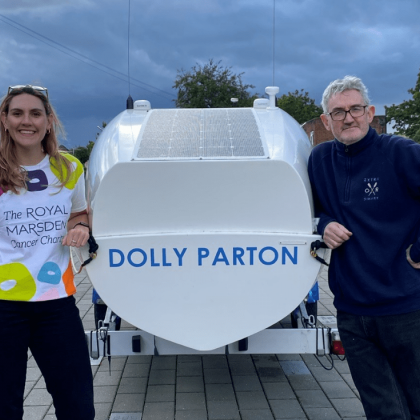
(34, 265)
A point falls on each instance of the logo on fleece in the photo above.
(371, 189)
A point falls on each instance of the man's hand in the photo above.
(412, 263)
(335, 235)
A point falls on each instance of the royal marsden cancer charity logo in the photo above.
(371, 189)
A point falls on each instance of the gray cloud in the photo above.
(316, 42)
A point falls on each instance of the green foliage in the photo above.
(83, 152)
(406, 116)
(103, 126)
(416, 136)
(89, 146)
(211, 86)
(299, 105)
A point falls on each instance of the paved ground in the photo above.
(233, 387)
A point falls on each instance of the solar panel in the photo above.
(200, 133)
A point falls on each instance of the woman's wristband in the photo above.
(83, 224)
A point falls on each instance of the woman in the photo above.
(42, 213)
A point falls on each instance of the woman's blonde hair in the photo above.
(12, 177)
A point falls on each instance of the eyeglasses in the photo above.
(355, 111)
(41, 89)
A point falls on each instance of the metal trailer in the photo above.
(204, 221)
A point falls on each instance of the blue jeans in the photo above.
(384, 359)
(53, 331)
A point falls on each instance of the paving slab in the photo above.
(271, 374)
(189, 369)
(38, 397)
(287, 409)
(348, 407)
(312, 398)
(338, 389)
(214, 362)
(126, 416)
(160, 393)
(190, 401)
(246, 383)
(190, 384)
(162, 377)
(164, 362)
(256, 414)
(159, 411)
(294, 367)
(223, 410)
(252, 400)
(105, 394)
(136, 370)
(279, 391)
(322, 414)
(128, 403)
(217, 376)
(191, 414)
(220, 392)
(132, 385)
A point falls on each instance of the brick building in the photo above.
(320, 134)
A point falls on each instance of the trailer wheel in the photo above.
(311, 309)
(99, 311)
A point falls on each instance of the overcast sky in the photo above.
(78, 49)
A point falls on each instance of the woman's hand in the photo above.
(77, 233)
(77, 236)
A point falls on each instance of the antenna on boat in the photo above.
(130, 102)
(274, 40)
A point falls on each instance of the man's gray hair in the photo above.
(340, 85)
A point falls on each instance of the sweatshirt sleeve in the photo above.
(324, 219)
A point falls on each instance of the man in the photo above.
(367, 196)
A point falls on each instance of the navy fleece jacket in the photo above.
(371, 187)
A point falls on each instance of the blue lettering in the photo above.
(238, 253)
(152, 259)
(164, 263)
(251, 250)
(111, 258)
(293, 258)
(267, 256)
(220, 257)
(202, 253)
(268, 248)
(180, 255)
(130, 254)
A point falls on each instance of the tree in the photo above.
(406, 116)
(211, 86)
(416, 137)
(300, 106)
(83, 152)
